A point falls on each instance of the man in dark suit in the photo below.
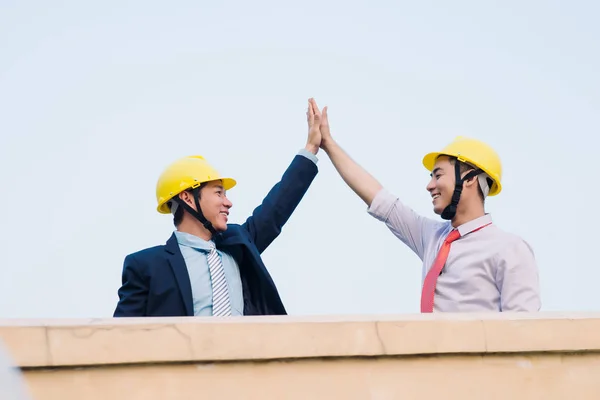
(209, 267)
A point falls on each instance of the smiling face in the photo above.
(443, 181)
(441, 185)
(215, 205)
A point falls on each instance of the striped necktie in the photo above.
(221, 304)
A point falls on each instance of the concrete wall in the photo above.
(449, 356)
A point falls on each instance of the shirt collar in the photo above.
(474, 224)
(193, 241)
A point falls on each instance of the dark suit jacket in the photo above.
(155, 281)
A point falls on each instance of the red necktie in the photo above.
(434, 273)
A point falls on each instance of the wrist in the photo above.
(312, 148)
(327, 144)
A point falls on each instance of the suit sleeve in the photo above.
(133, 293)
(267, 220)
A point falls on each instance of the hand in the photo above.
(313, 117)
(326, 138)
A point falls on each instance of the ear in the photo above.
(471, 181)
(187, 197)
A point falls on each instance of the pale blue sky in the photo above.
(95, 99)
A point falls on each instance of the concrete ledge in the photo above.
(72, 343)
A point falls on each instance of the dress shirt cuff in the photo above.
(309, 155)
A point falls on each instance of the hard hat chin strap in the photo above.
(197, 214)
(450, 210)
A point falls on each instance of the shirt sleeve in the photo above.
(309, 155)
(411, 228)
(518, 278)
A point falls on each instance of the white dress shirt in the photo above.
(486, 270)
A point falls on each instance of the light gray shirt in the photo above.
(486, 270)
(195, 252)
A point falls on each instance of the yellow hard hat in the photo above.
(183, 174)
(474, 152)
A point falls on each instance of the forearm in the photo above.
(266, 221)
(355, 176)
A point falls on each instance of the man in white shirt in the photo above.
(469, 264)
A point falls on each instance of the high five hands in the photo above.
(319, 135)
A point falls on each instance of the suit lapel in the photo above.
(181, 274)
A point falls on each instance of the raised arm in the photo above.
(355, 176)
(410, 227)
(277, 207)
